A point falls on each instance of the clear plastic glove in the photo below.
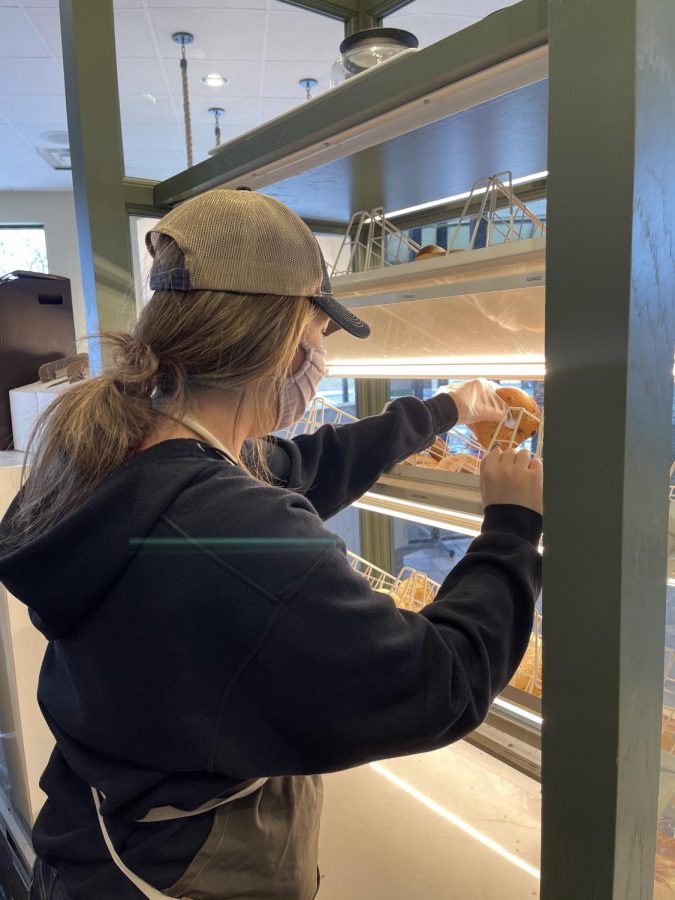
(512, 477)
(476, 401)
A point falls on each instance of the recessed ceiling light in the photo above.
(214, 79)
(150, 98)
(55, 137)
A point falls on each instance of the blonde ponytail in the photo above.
(183, 345)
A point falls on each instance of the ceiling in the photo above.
(262, 46)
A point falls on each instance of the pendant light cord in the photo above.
(186, 106)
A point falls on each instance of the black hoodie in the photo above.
(205, 629)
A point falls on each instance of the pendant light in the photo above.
(183, 38)
(308, 84)
(217, 112)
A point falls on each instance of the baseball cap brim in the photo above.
(339, 314)
(341, 317)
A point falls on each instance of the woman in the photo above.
(211, 651)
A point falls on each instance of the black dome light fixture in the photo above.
(368, 48)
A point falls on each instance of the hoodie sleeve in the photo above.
(335, 466)
(344, 677)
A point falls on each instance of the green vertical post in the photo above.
(376, 530)
(610, 331)
(90, 69)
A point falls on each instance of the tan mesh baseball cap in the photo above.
(247, 243)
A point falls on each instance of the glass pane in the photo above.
(347, 524)
(442, 232)
(23, 248)
(259, 50)
(432, 20)
(435, 551)
(664, 888)
(340, 392)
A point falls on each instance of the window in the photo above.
(23, 247)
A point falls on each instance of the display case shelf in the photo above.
(501, 267)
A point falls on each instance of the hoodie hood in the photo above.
(63, 574)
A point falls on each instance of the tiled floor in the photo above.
(478, 841)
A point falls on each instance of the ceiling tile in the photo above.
(48, 24)
(42, 108)
(208, 4)
(270, 108)
(31, 76)
(41, 178)
(303, 36)
(281, 78)
(135, 108)
(154, 137)
(19, 38)
(205, 137)
(41, 4)
(32, 131)
(432, 28)
(10, 138)
(133, 38)
(475, 9)
(128, 4)
(141, 76)
(223, 34)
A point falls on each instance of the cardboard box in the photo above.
(27, 403)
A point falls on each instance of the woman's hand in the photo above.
(476, 401)
(514, 477)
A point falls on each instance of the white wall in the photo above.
(56, 211)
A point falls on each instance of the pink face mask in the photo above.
(298, 390)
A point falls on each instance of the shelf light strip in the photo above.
(456, 821)
(520, 712)
(340, 368)
(525, 179)
(460, 523)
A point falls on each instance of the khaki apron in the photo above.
(263, 844)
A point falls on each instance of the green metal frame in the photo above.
(372, 394)
(610, 331)
(90, 70)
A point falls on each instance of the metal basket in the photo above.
(319, 412)
(410, 589)
(371, 242)
(460, 452)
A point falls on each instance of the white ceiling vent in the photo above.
(57, 157)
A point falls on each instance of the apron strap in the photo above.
(146, 889)
(165, 814)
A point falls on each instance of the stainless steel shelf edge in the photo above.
(503, 267)
(503, 36)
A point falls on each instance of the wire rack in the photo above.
(528, 677)
(501, 216)
(319, 412)
(410, 589)
(372, 242)
(460, 452)
(668, 720)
